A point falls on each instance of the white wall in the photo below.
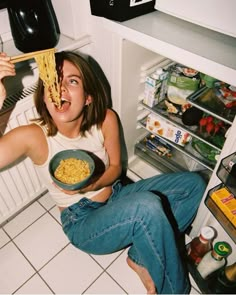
(5, 31)
(73, 17)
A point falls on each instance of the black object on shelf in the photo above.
(33, 24)
(227, 172)
(121, 10)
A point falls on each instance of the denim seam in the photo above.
(156, 253)
(142, 223)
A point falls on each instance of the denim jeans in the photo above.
(134, 217)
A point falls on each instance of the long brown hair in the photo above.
(94, 113)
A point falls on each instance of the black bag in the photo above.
(121, 10)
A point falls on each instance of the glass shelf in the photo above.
(187, 150)
(176, 162)
(160, 110)
(206, 100)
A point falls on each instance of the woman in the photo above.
(105, 216)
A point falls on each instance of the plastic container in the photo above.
(214, 259)
(200, 245)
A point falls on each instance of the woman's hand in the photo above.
(85, 189)
(6, 69)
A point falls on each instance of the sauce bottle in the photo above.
(200, 245)
(214, 259)
(226, 280)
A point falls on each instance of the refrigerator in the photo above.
(128, 52)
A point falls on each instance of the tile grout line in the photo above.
(13, 242)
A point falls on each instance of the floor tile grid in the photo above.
(104, 268)
(48, 210)
(11, 240)
(105, 271)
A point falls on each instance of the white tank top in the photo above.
(93, 141)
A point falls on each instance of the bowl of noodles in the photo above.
(71, 169)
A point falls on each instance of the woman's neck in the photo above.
(70, 129)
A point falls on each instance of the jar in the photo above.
(200, 245)
(214, 259)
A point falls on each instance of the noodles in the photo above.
(48, 74)
(72, 170)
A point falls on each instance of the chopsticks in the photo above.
(25, 56)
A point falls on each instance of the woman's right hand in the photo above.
(6, 69)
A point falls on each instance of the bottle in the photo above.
(200, 245)
(226, 280)
(214, 259)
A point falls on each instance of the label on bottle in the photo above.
(208, 265)
(193, 255)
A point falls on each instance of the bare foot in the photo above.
(144, 275)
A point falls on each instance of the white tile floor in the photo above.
(37, 258)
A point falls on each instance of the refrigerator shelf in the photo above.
(188, 151)
(162, 163)
(219, 112)
(219, 214)
(160, 110)
(177, 162)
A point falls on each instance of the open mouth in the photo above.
(65, 104)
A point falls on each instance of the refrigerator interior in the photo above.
(137, 63)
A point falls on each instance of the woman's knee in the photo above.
(148, 203)
(196, 180)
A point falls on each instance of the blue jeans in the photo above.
(134, 217)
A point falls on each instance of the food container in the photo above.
(71, 154)
(159, 126)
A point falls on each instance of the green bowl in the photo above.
(72, 153)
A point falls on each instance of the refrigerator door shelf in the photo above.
(219, 214)
(226, 173)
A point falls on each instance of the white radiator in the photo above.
(19, 183)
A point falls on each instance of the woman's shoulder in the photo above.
(29, 130)
(111, 121)
(37, 143)
(111, 116)
(32, 128)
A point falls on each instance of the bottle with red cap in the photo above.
(200, 245)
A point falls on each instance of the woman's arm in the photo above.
(23, 141)
(111, 133)
(6, 69)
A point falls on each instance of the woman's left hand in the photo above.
(90, 187)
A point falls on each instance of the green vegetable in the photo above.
(205, 150)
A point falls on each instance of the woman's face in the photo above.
(73, 96)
